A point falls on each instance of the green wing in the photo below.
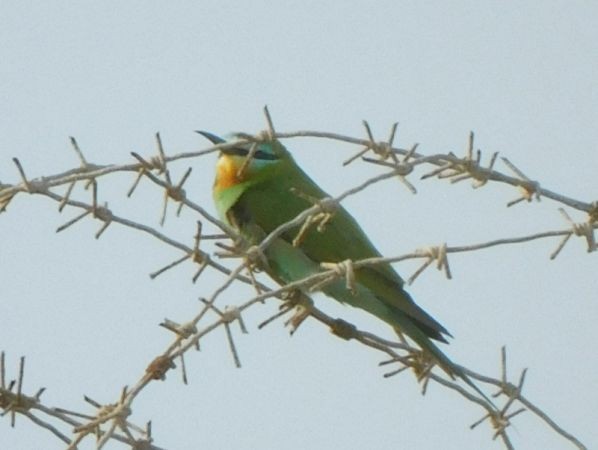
(272, 202)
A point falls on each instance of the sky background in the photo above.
(84, 312)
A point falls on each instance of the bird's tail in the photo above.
(452, 369)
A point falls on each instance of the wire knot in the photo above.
(159, 366)
(582, 229)
(232, 313)
(469, 166)
(343, 269)
(438, 254)
(344, 329)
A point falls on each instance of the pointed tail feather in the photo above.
(443, 361)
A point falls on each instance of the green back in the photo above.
(267, 200)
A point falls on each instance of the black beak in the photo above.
(218, 140)
(211, 137)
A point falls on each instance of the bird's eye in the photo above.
(237, 151)
(260, 154)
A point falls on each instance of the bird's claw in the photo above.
(303, 306)
(297, 319)
(292, 299)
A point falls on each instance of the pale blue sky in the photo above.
(522, 75)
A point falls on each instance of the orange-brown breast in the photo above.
(226, 173)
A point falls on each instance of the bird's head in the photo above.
(234, 168)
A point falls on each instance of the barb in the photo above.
(78, 152)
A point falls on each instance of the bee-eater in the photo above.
(272, 190)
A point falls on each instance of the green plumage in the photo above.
(273, 191)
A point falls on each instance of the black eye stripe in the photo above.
(260, 154)
(238, 151)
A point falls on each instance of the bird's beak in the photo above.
(211, 137)
(218, 140)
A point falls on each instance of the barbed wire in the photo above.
(111, 420)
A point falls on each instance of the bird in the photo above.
(258, 189)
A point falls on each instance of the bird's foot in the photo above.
(292, 300)
(327, 207)
(302, 305)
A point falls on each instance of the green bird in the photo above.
(271, 190)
